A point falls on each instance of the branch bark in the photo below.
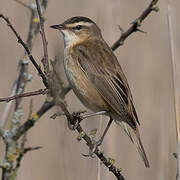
(28, 94)
(136, 24)
(22, 129)
(44, 41)
(38, 68)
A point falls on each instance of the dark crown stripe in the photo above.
(78, 19)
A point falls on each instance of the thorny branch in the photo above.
(72, 119)
(106, 161)
(136, 24)
(12, 147)
(50, 103)
(38, 68)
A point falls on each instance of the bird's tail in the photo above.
(135, 138)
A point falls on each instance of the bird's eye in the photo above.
(78, 27)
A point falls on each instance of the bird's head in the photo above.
(78, 29)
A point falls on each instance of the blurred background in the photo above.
(146, 61)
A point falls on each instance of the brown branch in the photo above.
(72, 120)
(100, 155)
(137, 23)
(74, 124)
(23, 63)
(26, 49)
(28, 94)
(44, 41)
(47, 105)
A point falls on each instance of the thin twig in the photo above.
(100, 155)
(26, 49)
(74, 123)
(134, 28)
(28, 94)
(31, 121)
(72, 119)
(44, 41)
(23, 78)
(23, 4)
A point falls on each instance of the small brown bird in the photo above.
(97, 78)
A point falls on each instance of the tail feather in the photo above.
(135, 138)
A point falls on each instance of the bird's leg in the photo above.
(105, 131)
(93, 114)
(98, 143)
(79, 117)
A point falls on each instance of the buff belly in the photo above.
(82, 86)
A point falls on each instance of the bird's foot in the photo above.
(78, 113)
(77, 118)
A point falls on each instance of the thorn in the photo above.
(139, 30)
(121, 29)
(32, 148)
(155, 8)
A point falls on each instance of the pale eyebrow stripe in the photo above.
(79, 23)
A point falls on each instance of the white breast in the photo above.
(70, 38)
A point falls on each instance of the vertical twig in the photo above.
(176, 84)
(13, 136)
(44, 41)
(9, 169)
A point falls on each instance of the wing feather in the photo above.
(103, 70)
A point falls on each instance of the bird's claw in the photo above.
(77, 119)
(78, 113)
(74, 125)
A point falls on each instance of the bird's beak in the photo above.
(58, 26)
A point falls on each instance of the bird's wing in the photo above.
(103, 70)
